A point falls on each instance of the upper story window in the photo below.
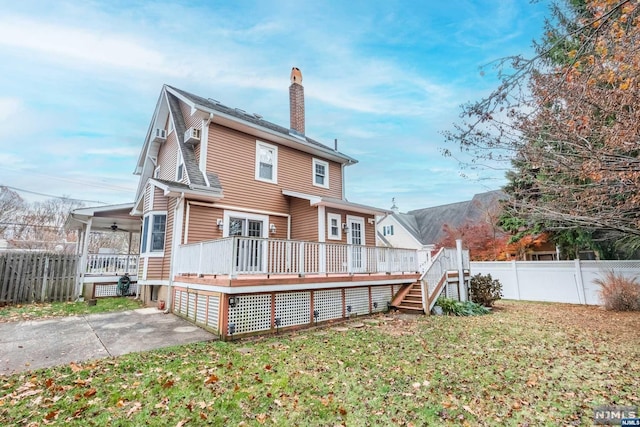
(387, 230)
(333, 226)
(156, 172)
(266, 162)
(169, 125)
(320, 173)
(153, 233)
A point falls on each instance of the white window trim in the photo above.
(179, 161)
(338, 218)
(326, 173)
(227, 215)
(156, 172)
(148, 253)
(274, 178)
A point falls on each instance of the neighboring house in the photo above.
(424, 228)
(245, 226)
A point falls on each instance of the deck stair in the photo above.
(409, 299)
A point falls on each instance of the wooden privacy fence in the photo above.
(37, 277)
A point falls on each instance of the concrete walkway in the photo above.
(39, 344)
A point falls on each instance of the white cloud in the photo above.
(10, 107)
(84, 45)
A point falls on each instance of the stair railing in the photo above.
(431, 280)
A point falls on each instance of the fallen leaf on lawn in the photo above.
(516, 405)
(135, 408)
(342, 411)
(182, 422)
(90, 392)
(75, 367)
(203, 416)
(211, 379)
(468, 409)
(261, 418)
(168, 384)
(416, 385)
(53, 415)
(267, 367)
(278, 402)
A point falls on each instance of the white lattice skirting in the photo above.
(111, 290)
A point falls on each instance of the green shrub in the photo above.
(457, 308)
(485, 290)
(619, 293)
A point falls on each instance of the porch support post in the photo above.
(322, 256)
(462, 293)
(83, 258)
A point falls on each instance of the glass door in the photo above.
(249, 248)
(355, 238)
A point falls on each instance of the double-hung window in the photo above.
(153, 233)
(320, 173)
(334, 227)
(387, 230)
(266, 162)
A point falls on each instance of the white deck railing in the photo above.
(445, 260)
(249, 255)
(109, 264)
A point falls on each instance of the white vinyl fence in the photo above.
(555, 281)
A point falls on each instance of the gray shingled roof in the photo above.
(430, 221)
(251, 118)
(188, 155)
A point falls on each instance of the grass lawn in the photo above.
(13, 313)
(525, 364)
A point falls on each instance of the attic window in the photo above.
(387, 230)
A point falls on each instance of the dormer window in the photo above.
(156, 172)
(320, 173)
(266, 162)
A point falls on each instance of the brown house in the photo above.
(245, 226)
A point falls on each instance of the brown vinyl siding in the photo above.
(304, 220)
(281, 227)
(232, 154)
(147, 197)
(202, 223)
(160, 202)
(141, 263)
(189, 120)
(168, 157)
(168, 240)
(154, 269)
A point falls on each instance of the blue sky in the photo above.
(79, 82)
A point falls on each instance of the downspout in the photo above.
(175, 242)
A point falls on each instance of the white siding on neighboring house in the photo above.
(400, 238)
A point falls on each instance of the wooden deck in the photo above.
(313, 280)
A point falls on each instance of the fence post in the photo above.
(580, 283)
(514, 266)
(45, 276)
(462, 292)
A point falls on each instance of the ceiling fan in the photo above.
(114, 227)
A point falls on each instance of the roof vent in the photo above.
(257, 116)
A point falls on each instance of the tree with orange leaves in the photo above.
(568, 122)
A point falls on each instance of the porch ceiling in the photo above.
(104, 218)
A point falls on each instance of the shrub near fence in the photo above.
(37, 277)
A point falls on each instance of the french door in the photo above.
(249, 252)
(355, 238)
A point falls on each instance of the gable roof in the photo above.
(292, 138)
(426, 224)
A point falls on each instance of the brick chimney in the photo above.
(296, 101)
